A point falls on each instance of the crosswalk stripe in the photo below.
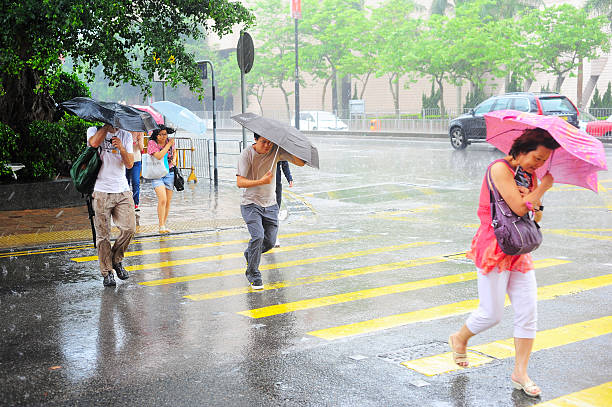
(200, 245)
(356, 295)
(219, 257)
(448, 310)
(503, 349)
(596, 396)
(321, 277)
(290, 263)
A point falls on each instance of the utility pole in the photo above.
(245, 54)
(204, 75)
(296, 13)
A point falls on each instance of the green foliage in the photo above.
(131, 40)
(69, 86)
(8, 147)
(472, 99)
(602, 102)
(431, 102)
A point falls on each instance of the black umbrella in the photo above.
(117, 115)
(289, 138)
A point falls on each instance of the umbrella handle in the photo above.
(274, 161)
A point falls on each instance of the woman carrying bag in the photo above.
(160, 147)
(500, 273)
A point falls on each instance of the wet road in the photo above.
(360, 298)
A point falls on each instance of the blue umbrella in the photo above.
(181, 117)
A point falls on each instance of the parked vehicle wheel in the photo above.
(457, 138)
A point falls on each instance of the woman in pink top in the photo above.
(500, 273)
(160, 145)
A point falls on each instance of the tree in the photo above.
(394, 33)
(36, 34)
(600, 7)
(332, 31)
(558, 38)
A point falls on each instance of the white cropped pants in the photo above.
(492, 288)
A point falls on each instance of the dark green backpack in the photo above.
(84, 171)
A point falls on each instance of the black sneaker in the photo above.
(257, 284)
(109, 280)
(121, 272)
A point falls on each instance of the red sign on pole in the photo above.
(296, 9)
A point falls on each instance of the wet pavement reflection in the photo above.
(373, 247)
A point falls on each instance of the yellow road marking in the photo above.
(199, 246)
(575, 233)
(596, 396)
(503, 349)
(322, 277)
(356, 295)
(219, 257)
(90, 246)
(291, 263)
(457, 308)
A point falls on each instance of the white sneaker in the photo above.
(282, 214)
(277, 244)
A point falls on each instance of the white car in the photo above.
(320, 120)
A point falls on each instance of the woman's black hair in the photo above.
(155, 133)
(530, 140)
(256, 136)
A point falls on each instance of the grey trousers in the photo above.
(263, 226)
(119, 206)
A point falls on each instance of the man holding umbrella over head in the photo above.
(112, 198)
(274, 141)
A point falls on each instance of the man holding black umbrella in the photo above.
(258, 206)
(112, 198)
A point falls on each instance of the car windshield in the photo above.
(557, 105)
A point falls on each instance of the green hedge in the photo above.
(47, 151)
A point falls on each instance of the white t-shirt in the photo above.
(111, 177)
(252, 165)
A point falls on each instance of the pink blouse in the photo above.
(485, 251)
(153, 147)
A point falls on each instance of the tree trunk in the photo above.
(367, 78)
(527, 85)
(334, 90)
(324, 92)
(19, 105)
(442, 107)
(286, 95)
(579, 83)
(559, 82)
(394, 87)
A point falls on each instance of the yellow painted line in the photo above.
(219, 257)
(321, 277)
(457, 308)
(200, 246)
(290, 263)
(90, 246)
(503, 349)
(596, 396)
(572, 233)
(356, 295)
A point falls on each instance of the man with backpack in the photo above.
(112, 198)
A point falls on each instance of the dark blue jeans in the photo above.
(263, 226)
(133, 177)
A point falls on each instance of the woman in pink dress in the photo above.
(499, 273)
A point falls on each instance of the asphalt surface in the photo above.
(370, 274)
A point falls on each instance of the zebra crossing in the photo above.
(211, 268)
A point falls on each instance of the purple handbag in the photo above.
(515, 234)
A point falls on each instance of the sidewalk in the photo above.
(197, 208)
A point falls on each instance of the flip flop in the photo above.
(458, 357)
(529, 388)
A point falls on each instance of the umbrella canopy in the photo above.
(159, 119)
(575, 163)
(181, 117)
(115, 114)
(289, 138)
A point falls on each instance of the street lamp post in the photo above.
(202, 65)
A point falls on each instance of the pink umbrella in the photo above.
(159, 119)
(575, 163)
